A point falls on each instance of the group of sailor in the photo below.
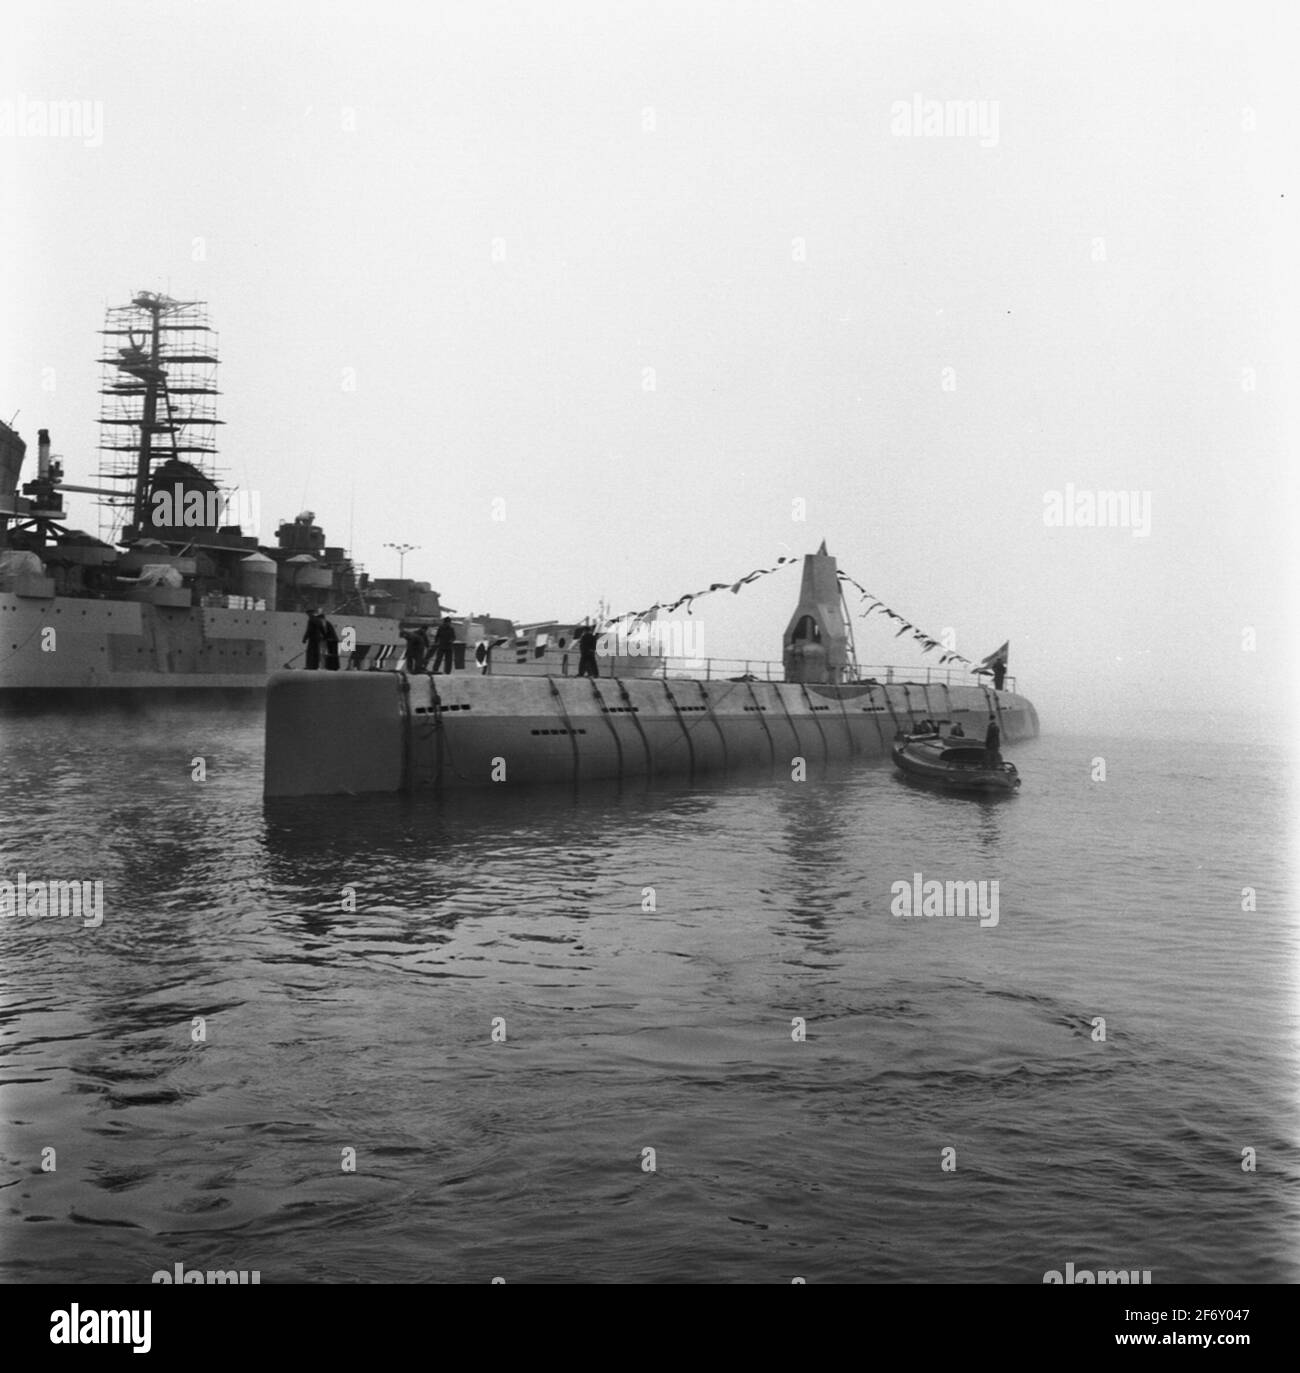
(992, 736)
(322, 641)
(442, 646)
(928, 726)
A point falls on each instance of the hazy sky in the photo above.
(649, 274)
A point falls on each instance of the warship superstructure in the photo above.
(180, 597)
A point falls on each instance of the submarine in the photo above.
(333, 733)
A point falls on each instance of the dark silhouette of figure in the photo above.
(993, 744)
(331, 648)
(587, 653)
(444, 642)
(956, 731)
(417, 648)
(315, 637)
(999, 675)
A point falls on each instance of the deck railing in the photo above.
(766, 670)
(564, 662)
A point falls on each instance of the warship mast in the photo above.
(159, 391)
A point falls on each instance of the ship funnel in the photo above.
(257, 577)
(816, 645)
(42, 453)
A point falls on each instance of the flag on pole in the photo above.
(999, 655)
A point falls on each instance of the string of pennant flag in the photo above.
(635, 616)
(874, 603)
(928, 642)
(999, 655)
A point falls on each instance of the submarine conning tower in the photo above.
(816, 643)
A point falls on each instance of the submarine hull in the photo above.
(349, 733)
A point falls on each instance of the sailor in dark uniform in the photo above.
(587, 652)
(993, 744)
(444, 644)
(417, 648)
(314, 638)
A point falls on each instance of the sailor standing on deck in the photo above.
(417, 648)
(587, 652)
(314, 638)
(444, 643)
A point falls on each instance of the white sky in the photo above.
(650, 167)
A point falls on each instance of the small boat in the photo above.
(952, 762)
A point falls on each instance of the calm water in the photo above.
(627, 1029)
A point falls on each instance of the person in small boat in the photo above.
(444, 645)
(587, 666)
(993, 744)
(956, 731)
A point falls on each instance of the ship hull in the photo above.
(355, 732)
(60, 650)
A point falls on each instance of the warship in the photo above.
(181, 599)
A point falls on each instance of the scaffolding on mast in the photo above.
(158, 389)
